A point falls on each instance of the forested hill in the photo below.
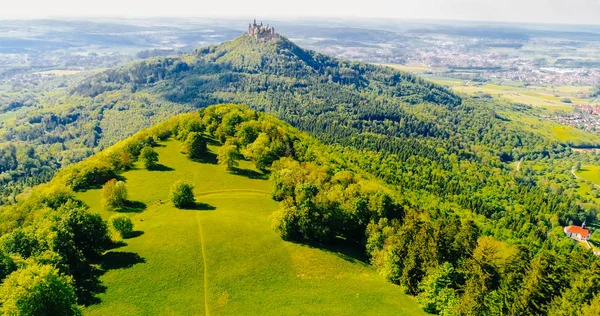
(339, 101)
(411, 122)
(280, 60)
(308, 89)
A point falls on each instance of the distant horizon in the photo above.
(291, 19)
(549, 12)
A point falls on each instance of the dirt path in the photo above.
(201, 237)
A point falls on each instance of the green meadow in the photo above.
(590, 173)
(223, 258)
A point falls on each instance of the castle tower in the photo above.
(260, 31)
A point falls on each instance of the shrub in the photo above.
(114, 194)
(182, 194)
(38, 290)
(122, 224)
(149, 157)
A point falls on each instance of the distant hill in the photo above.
(302, 87)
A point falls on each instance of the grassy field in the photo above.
(11, 115)
(590, 173)
(224, 258)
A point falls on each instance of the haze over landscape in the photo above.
(320, 157)
(530, 11)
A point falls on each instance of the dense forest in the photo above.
(454, 259)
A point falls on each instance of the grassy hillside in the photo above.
(224, 258)
(590, 173)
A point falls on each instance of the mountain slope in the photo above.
(338, 101)
(452, 250)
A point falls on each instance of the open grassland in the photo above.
(590, 173)
(223, 258)
(11, 115)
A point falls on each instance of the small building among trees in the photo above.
(578, 232)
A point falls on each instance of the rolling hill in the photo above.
(298, 243)
(338, 101)
(224, 259)
(389, 157)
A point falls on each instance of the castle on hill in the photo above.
(259, 31)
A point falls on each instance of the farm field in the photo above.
(549, 98)
(224, 258)
(546, 97)
(551, 129)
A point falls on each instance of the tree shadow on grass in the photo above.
(161, 168)
(87, 280)
(113, 260)
(87, 287)
(132, 207)
(208, 157)
(248, 173)
(135, 233)
(199, 206)
(348, 251)
(115, 245)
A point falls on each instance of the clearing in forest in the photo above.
(224, 257)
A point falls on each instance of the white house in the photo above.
(578, 232)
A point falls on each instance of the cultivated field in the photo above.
(549, 98)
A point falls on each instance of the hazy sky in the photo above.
(544, 11)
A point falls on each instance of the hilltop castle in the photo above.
(261, 32)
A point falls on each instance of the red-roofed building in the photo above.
(577, 232)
